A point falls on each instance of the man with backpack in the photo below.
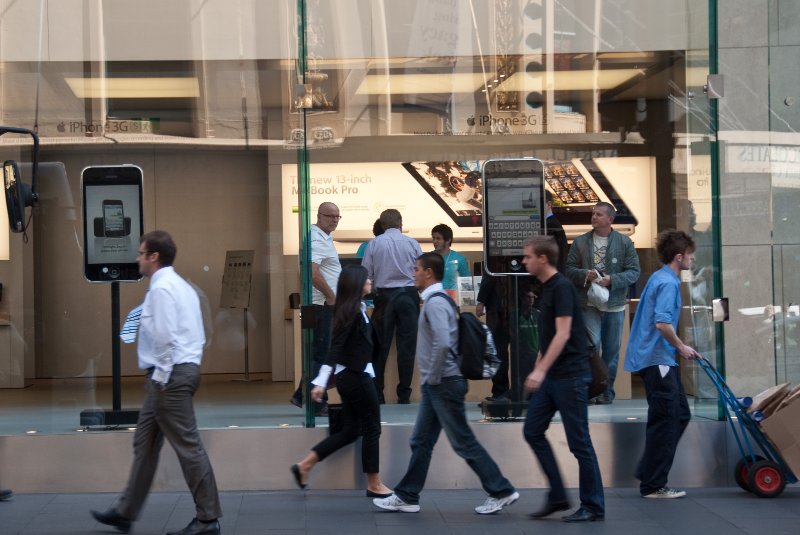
(442, 405)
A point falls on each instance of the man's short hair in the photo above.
(671, 243)
(434, 262)
(445, 231)
(544, 245)
(159, 241)
(391, 218)
(548, 197)
(609, 209)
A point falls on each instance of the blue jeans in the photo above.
(605, 333)
(570, 398)
(668, 415)
(442, 407)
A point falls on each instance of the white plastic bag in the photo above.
(597, 295)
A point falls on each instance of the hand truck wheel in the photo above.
(740, 472)
(766, 479)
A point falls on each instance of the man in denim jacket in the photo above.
(611, 254)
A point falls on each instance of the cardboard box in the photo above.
(793, 394)
(783, 430)
(762, 400)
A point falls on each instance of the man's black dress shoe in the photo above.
(112, 518)
(550, 508)
(582, 515)
(197, 527)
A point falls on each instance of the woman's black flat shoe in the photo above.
(296, 473)
(371, 494)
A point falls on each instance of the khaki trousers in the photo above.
(168, 412)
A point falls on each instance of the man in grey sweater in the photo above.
(442, 404)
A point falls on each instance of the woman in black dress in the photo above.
(350, 360)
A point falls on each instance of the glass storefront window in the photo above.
(245, 117)
(436, 88)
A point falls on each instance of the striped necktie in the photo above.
(131, 327)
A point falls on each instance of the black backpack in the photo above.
(477, 354)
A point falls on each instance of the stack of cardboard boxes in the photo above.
(779, 406)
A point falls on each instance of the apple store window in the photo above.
(239, 141)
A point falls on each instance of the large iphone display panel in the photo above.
(513, 203)
(112, 222)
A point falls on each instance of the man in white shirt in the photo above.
(325, 270)
(171, 340)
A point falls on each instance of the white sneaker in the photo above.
(394, 503)
(492, 505)
(666, 493)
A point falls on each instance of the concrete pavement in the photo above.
(704, 511)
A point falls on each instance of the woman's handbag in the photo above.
(600, 378)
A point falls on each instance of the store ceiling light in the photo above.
(570, 80)
(174, 87)
(420, 84)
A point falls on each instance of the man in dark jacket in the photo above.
(604, 256)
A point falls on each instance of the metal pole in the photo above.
(246, 349)
(116, 371)
(514, 350)
(246, 378)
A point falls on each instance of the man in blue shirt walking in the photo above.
(652, 347)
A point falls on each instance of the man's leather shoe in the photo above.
(603, 399)
(550, 508)
(112, 518)
(582, 515)
(196, 527)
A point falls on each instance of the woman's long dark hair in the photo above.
(349, 292)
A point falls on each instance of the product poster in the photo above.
(451, 192)
(236, 279)
(113, 224)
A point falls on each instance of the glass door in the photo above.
(697, 207)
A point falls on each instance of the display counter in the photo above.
(477, 389)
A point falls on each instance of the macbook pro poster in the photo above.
(433, 192)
